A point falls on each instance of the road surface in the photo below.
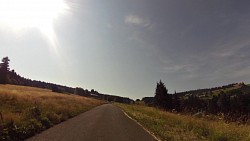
(103, 123)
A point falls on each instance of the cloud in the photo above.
(179, 68)
(232, 48)
(136, 20)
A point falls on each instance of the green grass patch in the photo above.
(174, 127)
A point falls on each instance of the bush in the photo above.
(46, 122)
(219, 137)
(54, 118)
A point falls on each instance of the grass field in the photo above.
(173, 127)
(25, 111)
(216, 92)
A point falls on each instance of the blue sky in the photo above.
(123, 47)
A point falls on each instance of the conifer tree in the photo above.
(4, 68)
(162, 99)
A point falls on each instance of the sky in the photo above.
(124, 47)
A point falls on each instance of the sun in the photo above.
(25, 14)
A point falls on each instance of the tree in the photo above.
(56, 89)
(212, 105)
(176, 102)
(81, 91)
(4, 69)
(148, 101)
(223, 102)
(162, 99)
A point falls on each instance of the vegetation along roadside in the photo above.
(25, 111)
(175, 127)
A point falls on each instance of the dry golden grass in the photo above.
(173, 127)
(22, 106)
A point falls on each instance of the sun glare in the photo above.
(26, 14)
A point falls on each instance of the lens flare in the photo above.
(21, 15)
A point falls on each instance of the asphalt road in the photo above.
(103, 123)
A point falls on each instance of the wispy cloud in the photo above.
(232, 48)
(179, 68)
(136, 20)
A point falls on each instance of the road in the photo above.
(103, 123)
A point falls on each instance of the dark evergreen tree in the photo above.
(162, 98)
(4, 68)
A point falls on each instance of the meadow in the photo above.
(25, 111)
(168, 126)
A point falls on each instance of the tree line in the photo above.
(233, 105)
(8, 76)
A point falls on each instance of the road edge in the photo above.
(150, 133)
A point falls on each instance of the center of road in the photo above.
(103, 123)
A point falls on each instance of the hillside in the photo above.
(208, 93)
(231, 102)
(25, 111)
(8, 76)
(232, 89)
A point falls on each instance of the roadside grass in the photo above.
(173, 127)
(25, 111)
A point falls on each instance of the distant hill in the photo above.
(208, 93)
(16, 79)
(213, 90)
(231, 101)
